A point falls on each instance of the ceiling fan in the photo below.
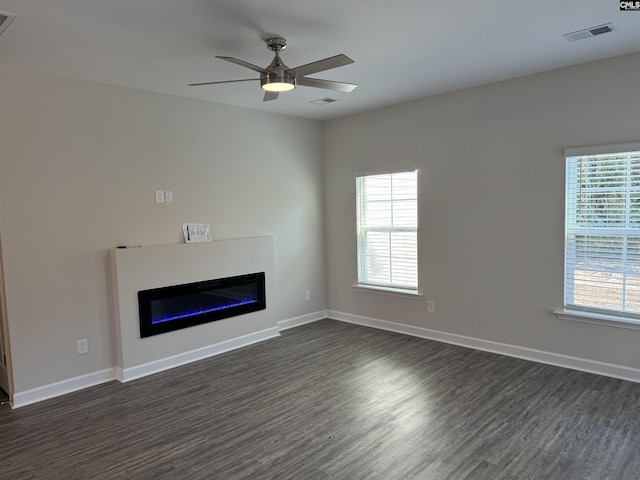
(277, 77)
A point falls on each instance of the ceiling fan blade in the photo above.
(245, 64)
(270, 96)
(328, 84)
(320, 66)
(224, 81)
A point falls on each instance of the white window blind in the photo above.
(387, 226)
(602, 234)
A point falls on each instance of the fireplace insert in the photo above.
(172, 308)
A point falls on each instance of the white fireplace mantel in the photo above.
(143, 268)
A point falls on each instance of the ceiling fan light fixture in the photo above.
(277, 84)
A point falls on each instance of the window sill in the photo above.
(597, 319)
(398, 292)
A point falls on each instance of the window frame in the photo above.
(391, 289)
(591, 313)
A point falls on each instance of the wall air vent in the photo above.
(5, 20)
(589, 32)
(323, 101)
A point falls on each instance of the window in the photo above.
(602, 230)
(387, 229)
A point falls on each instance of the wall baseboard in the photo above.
(139, 371)
(128, 374)
(70, 385)
(21, 399)
(302, 320)
(28, 397)
(575, 363)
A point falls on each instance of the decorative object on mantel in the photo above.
(196, 232)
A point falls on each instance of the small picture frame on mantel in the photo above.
(196, 232)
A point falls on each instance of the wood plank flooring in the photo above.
(329, 401)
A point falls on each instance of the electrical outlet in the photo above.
(307, 295)
(168, 196)
(159, 196)
(83, 346)
(431, 306)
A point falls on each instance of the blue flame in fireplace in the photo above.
(193, 313)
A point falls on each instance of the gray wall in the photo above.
(79, 165)
(491, 187)
(80, 161)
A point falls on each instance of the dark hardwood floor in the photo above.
(331, 400)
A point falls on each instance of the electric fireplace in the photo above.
(172, 308)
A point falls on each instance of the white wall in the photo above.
(79, 165)
(491, 180)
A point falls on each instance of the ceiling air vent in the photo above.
(589, 32)
(5, 20)
(323, 101)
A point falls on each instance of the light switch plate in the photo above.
(159, 196)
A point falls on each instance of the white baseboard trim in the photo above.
(21, 399)
(557, 359)
(139, 371)
(302, 320)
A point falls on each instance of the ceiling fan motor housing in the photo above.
(278, 80)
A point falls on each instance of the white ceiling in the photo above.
(403, 49)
